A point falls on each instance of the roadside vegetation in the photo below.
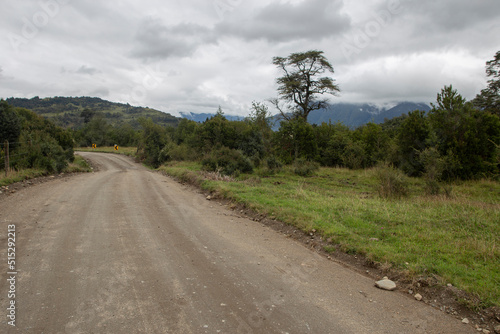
(36, 146)
(454, 237)
(419, 193)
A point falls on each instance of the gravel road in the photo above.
(127, 250)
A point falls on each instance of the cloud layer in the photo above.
(194, 56)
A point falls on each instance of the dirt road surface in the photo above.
(127, 250)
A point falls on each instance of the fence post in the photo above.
(7, 164)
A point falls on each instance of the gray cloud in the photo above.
(100, 92)
(282, 22)
(451, 15)
(84, 69)
(158, 41)
(184, 56)
(444, 24)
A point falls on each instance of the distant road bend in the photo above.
(127, 250)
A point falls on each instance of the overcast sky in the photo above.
(194, 55)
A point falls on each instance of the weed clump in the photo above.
(272, 166)
(305, 168)
(393, 183)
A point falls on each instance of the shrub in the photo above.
(153, 140)
(273, 163)
(393, 183)
(52, 157)
(305, 168)
(354, 155)
(70, 154)
(434, 167)
(227, 161)
(174, 152)
(464, 135)
(271, 167)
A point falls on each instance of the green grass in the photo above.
(129, 151)
(19, 176)
(79, 165)
(457, 238)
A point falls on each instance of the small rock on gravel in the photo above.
(386, 284)
(418, 297)
(465, 321)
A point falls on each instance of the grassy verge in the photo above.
(129, 151)
(455, 238)
(20, 175)
(77, 166)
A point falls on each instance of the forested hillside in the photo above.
(67, 111)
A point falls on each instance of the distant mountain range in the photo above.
(350, 114)
(355, 115)
(66, 111)
(200, 118)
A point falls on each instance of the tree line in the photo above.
(456, 139)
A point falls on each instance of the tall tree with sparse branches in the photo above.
(302, 85)
(489, 98)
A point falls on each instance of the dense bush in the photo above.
(393, 183)
(152, 143)
(354, 155)
(332, 139)
(375, 142)
(52, 157)
(182, 152)
(96, 131)
(39, 143)
(305, 168)
(464, 135)
(273, 163)
(294, 140)
(10, 124)
(434, 165)
(412, 139)
(227, 161)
